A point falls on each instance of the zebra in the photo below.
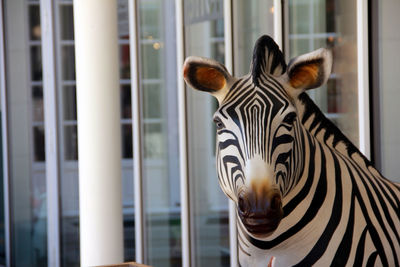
(305, 195)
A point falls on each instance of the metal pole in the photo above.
(137, 133)
(4, 139)
(228, 38)
(183, 154)
(278, 23)
(363, 79)
(51, 133)
(99, 132)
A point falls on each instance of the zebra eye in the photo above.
(289, 119)
(218, 123)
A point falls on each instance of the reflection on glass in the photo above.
(252, 19)
(125, 64)
(126, 132)
(160, 136)
(69, 178)
(150, 21)
(154, 141)
(71, 142)
(209, 207)
(37, 103)
(332, 24)
(151, 52)
(28, 212)
(69, 103)
(38, 143)
(36, 63)
(126, 102)
(34, 22)
(66, 29)
(68, 61)
(152, 95)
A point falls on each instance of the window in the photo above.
(209, 212)
(332, 24)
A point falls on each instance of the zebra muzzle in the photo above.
(260, 212)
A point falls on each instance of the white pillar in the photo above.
(99, 133)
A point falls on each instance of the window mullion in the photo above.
(183, 149)
(51, 131)
(4, 140)
(136, 130)
(228, 39)
(363, 79)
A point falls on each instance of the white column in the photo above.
(99, 134)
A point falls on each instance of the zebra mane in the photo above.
(320, 122)
(267, 58)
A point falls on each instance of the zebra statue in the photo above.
(305, 195)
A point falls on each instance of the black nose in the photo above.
(260, 213)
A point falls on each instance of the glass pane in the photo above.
(37, 103)
(299, 12)
(252, 19)
(315, 24)
(160, 132)
(126, 102)
(123, 19)
(127, 141)
(154, 141)
(125, 64)
(71, 142)
(38, 143)
(69, 99)
(67, 29)
(2, 214)
(151, 52)
(150, 16)
(389, 93)
(68, 62)
(209, 206)
(69, 181)
(28, 209)
(152, 95)
(36, 63)
(34, 22)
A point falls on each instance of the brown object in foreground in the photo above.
(126, 264)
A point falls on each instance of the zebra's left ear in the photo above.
(207, 75)
(310, 70)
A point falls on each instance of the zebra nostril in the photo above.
(243, 204)
(276, 202)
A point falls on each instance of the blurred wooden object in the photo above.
(126, 264)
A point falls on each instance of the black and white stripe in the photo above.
(305, 194)
(338, 209)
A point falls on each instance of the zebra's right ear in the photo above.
(207, 75)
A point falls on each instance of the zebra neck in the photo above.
(313, 119)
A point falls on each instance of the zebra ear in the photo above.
(310, 70)
(207, 75)
(267, 58)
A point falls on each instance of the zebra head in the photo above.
(258, 154)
